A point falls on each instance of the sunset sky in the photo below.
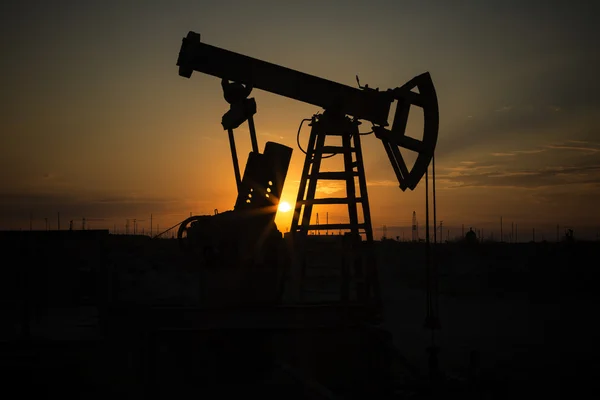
(97, 123)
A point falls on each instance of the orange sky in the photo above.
(97, 123)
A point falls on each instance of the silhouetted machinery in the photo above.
(248, 234)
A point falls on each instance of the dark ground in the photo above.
(527, 310)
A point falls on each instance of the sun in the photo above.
(284, 206)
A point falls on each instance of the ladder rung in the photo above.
(334, 175)
(332, 200)
(337, 133)
(334, 226)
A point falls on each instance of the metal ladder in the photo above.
(350, 264)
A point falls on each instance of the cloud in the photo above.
(17, 205)
(471, 167)
(584, 142)
(270, 135)
(495, 127)
(574, 148)
(583, 146)
(330, 187)
(524, 178)
(534, 151)
(383, 183)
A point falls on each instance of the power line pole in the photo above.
(434, 205)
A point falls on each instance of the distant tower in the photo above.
(384, 232)
(415, 232)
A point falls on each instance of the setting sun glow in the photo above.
(284, 206)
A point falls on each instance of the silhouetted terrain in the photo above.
(525, 308)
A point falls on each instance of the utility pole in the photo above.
(434, 204)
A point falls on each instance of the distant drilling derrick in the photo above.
(415, 228)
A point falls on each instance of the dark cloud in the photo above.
(492, 176)
(581, 146)
(19, 205)
(492, 128)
